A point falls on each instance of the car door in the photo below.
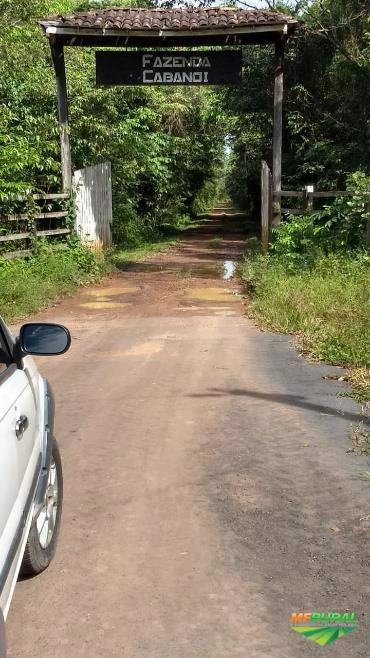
(19, 450)
(27, 430)
(8, 454)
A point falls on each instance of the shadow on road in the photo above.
(290, 400)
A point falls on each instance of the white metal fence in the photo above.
(93, 188)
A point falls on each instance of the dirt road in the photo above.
(208, 488)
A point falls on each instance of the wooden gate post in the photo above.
(307, 199)
(277, 139)
(57, 53)
(265, 206)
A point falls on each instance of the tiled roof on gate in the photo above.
(176, 19)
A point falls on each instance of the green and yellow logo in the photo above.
(323, 627)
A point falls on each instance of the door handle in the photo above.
(21, 426)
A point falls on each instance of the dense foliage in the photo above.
(338, 227)
(326, 131)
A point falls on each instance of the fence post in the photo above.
(310, 190)
(307, 198)
(34, 229)
(265, 206)
(57, 53)
(277, 137)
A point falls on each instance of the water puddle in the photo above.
(205, 271)
(211, 295)
(144, 267)
(110, 292)
(226, 313)
(229, 269)
(102, 305)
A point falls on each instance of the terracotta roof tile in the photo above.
(163, 19)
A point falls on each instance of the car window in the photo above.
(5, 359)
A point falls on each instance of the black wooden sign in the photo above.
(168, 67)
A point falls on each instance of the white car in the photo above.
(31, 480)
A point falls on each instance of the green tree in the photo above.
(326, 131)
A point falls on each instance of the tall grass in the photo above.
(26, 286)
(327, 305)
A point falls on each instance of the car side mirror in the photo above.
(44, 339)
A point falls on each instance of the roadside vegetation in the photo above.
(315, 283)
(30, 285)
(326, 305)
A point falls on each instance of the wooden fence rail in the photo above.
(43, 197)
(316, 195)
(306, 196)
(24, 216)
(93, 204)
(33, 231)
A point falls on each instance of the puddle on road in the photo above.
(103, 298)
(207, 308)
(101, 305)
(178, 269)
(208, 272)
(110, 292)
(212, 295)
(229, 269)
(226, 270)
(143, 267)
(226, 312)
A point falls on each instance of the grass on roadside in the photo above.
(327, 306)
(27, 286)
(360, 439)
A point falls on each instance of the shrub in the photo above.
(338, 227)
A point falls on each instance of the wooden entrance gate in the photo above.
(191, 27)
